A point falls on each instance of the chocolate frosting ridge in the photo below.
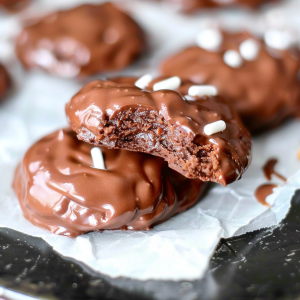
(59, 190)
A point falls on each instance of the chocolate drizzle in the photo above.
(59, 190)
(269, 169)
(263, 191)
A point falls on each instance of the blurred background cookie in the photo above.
(81, 41)
(260, 78)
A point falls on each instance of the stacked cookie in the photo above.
(259, 77)
(81, 41)
(70, 187)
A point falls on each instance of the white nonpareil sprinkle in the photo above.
(278, 39)
(171, 83)
(209, 39)
(214, 127)
(249, 49)
(202, 90)
(144, 81)
(189, 97)
(97, 157)
(233, 59)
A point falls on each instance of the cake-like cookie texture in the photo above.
(82, 41)
(59, 188)
(189, 6)
(5, 82)
(261, 82)
(200, 137)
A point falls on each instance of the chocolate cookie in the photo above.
(82, 41)
(189, 6)
(60, 190)
(200, 137)
(5, 82)
(261, 82)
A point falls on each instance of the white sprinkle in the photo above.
(189, 97)
(214, 127)
(171, 83)
(97, 157)
(233, 59)
(249, 49)
(144, 81)
(278, 39)
(203, 90)
(209, 39)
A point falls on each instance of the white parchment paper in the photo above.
(181, 247)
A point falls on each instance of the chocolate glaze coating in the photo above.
(59, 190)
(189, 6)
(81, 41)
(5, 82)
(264, 91)
(117, 114)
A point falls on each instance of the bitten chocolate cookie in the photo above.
(82, 41)
(200, 137)
(261, 82)
(189, 6)
(60, 190)
(5, 82)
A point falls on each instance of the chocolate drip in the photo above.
(263, 191)
(269, 169)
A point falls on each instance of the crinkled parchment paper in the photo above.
(181, 247)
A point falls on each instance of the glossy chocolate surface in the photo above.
(100, 101)
(81, 41)
(264, 91)
(59, 190)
